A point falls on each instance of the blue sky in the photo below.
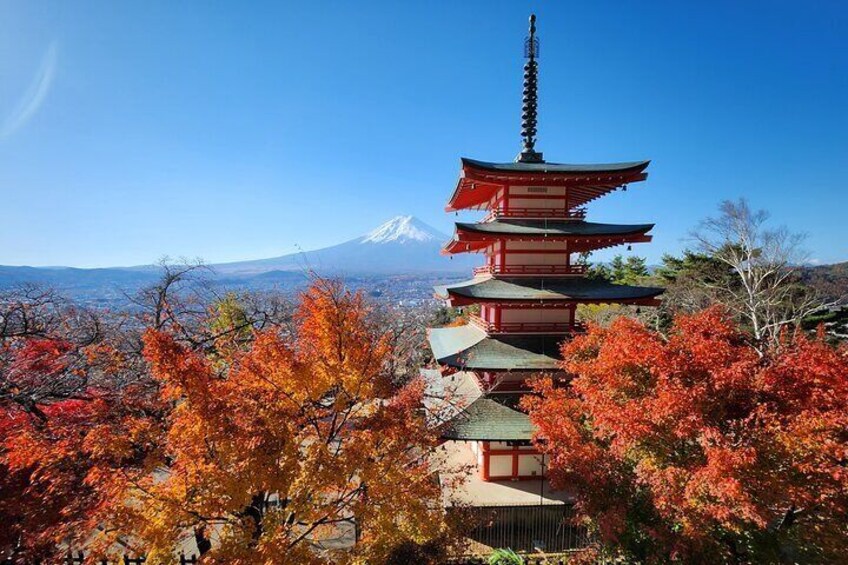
(243, 130)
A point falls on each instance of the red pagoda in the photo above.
(527, 289)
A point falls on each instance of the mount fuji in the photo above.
(402, 245)
(399, 258)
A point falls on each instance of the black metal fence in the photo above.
(531, 529)
(79, 558)
(527, 561)
(546, 528)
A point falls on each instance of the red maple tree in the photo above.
(693, 447)
(67, 429)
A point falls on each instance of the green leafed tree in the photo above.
(632, 270)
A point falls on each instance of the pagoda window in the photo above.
(537, 316)
(536, 246)
(527, 320)
(552, 192)
(509, 461)
(539, 257)
(532, 202)
(535, 206)
(528, 258)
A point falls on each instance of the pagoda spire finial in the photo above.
(529, 102)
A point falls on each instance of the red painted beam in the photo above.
(472, 242)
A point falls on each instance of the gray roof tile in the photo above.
(490, 418)
(541, 288)
(467, 347)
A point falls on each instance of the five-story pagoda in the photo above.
(527, 290)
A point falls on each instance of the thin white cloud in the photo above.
(34, 96)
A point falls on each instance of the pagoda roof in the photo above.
(491, 418)
(551, 228)
(553, 168)
(470, 348)
(470, 237)
(538, 289)
(480, 180)
(456, 404)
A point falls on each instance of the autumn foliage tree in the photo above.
(279, 444)
(59, 385)
(694, 448)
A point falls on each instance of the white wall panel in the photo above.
(500, 465)
(529, 465)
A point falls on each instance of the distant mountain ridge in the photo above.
(830, 281)
(404, 246)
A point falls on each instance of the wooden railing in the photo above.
(526, 327)
(534, 213)
(530, 270)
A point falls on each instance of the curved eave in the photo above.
(471, 238)
(546, 229)
(519, 168)
(479, 180)
(545, 292)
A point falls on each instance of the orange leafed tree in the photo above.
(694, 448)
(281, 447)
(282, 450)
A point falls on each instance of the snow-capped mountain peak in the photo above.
(402, 229)
(403, 245)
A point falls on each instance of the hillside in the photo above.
(831, 281)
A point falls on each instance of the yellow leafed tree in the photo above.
(287, 449)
